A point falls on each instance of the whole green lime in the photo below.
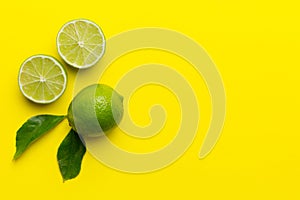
(95, 110)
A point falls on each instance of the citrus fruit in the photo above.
(80, 43)
(42, 79)
(95, 110)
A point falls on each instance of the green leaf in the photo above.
(69, 155)
(33, 129)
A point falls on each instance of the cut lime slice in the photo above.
(42, 79)
(80, 43)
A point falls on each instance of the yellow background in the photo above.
(256, 46)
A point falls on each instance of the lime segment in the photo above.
(42, 79)
(80, 43)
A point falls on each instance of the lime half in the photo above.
(80, 43)
(42, 79)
